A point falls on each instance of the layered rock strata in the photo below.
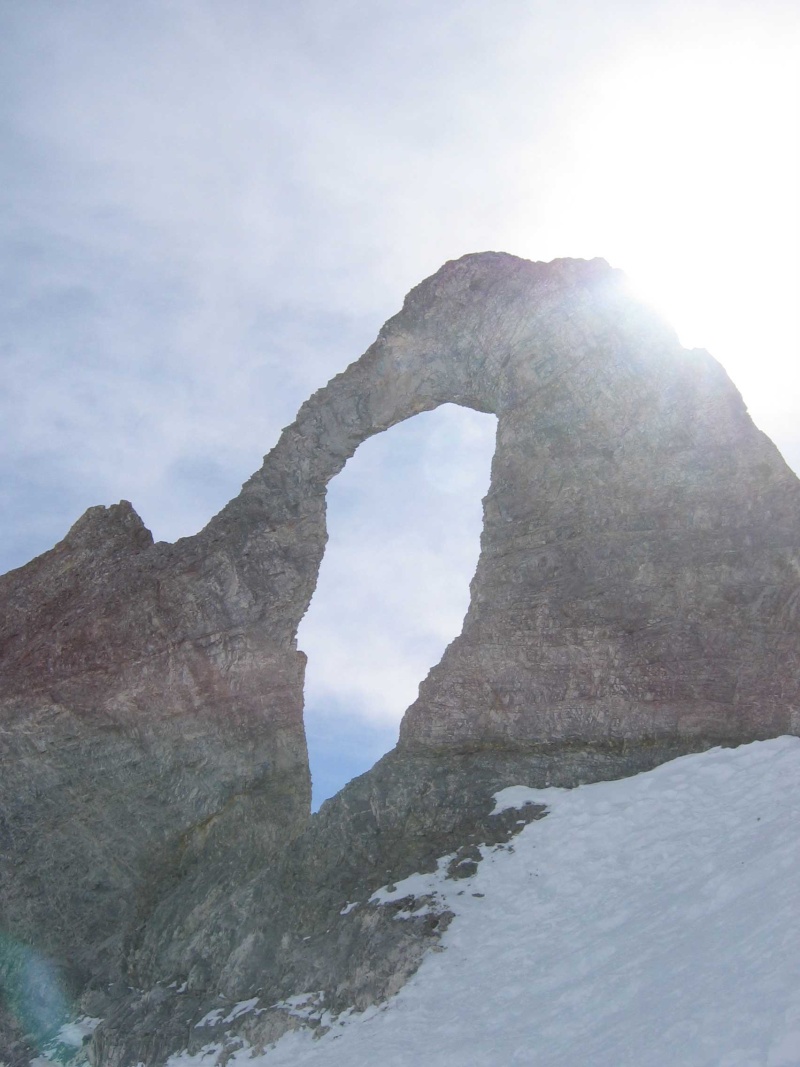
(637, 595)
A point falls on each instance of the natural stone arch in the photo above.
(617, 493)
(637, 591)
(635, 596)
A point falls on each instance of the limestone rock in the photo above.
(637, 595)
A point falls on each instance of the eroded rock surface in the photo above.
(637, 596)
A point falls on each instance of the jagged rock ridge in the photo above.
(637, 595)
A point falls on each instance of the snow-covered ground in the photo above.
(650, 922)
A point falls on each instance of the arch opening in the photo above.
(404, 520)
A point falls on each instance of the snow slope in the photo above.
(650, 922)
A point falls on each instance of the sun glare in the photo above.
(684, 172)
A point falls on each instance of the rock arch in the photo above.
(638, 589)
(631, 507)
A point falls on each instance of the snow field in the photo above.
(648, 922)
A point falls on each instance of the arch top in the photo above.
(487, 331)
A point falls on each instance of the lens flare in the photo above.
(32, 991)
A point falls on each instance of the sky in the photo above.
(209, 207)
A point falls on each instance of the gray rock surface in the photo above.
(637, 596)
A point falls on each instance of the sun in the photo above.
(682, 166)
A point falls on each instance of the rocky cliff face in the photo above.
(637, 595)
